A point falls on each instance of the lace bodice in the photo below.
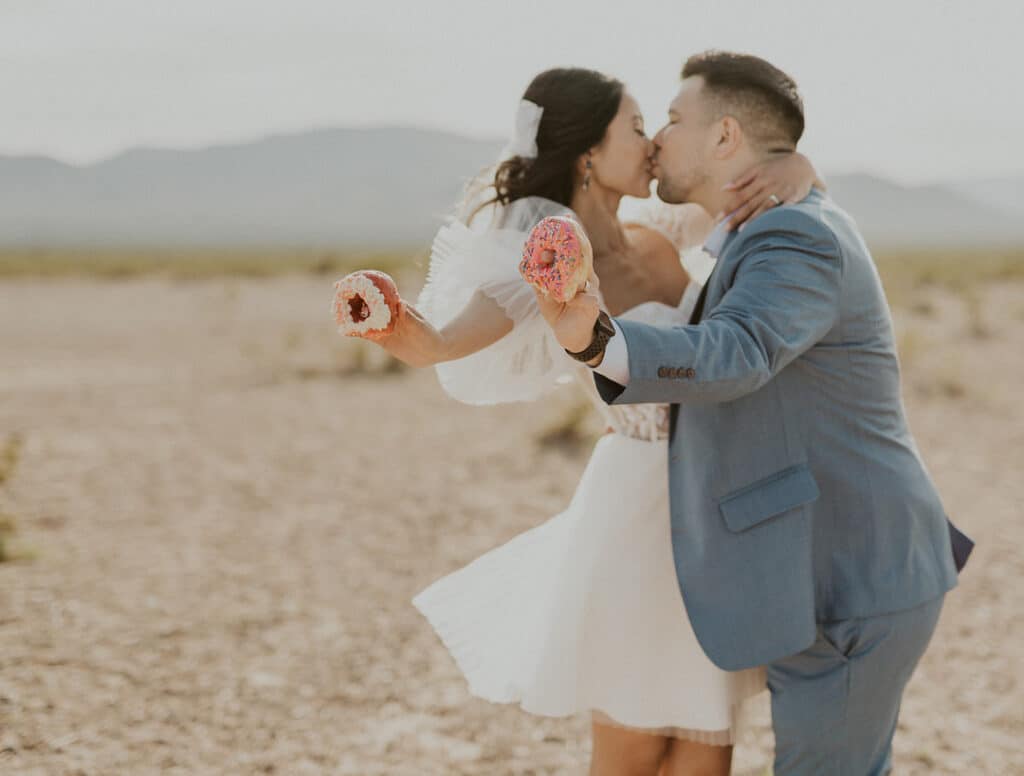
(641, 421)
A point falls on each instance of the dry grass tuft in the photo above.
(901, 270)
(7, 529)
(923, 307)
(356, 358)
(10, 550)
(9, 456)
(905, 273)
(908, 347)
(194, 264)
(977, 326)
(372, 360)
(572, 430)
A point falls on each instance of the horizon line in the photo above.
(269, 135)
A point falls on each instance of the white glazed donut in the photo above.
(366, 304)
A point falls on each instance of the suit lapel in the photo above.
(696, 317)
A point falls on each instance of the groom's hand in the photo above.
(572, 322)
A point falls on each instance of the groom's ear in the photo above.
(729, 137)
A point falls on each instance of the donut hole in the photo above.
(358, 309)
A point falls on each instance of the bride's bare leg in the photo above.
(688, 758)
(622, 752)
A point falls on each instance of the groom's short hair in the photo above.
(761, 97)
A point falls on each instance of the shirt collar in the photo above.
(716, 240)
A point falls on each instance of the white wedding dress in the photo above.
(582, 613)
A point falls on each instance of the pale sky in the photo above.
(915, 90)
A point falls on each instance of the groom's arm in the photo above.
(783, 299)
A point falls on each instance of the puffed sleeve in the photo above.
(526, 363)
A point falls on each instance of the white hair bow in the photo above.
(524, 135)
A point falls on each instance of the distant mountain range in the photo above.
(376, 188)
(965, 213)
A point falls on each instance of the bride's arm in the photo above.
(416, 342)
(789, 177)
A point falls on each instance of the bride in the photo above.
(582, 613)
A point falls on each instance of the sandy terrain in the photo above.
(228, 529)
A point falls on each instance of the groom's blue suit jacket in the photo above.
(798, 495)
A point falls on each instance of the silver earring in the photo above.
(586, 178)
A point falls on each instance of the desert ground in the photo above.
(215, 512)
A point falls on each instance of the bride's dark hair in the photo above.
(578, 105)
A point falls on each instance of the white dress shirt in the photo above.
(615, 364)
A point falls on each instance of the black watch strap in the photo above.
(603, 331)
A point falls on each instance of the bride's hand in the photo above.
(409, 338)
(413, 340)
(789, 178)
(400, 330)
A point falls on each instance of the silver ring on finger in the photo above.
(775, 200)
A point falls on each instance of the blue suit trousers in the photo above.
(835, 705)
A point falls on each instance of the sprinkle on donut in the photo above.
(561, 278)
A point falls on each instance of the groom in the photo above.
(807, 534)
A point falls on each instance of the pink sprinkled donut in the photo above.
(564, 276)
(366, 304)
